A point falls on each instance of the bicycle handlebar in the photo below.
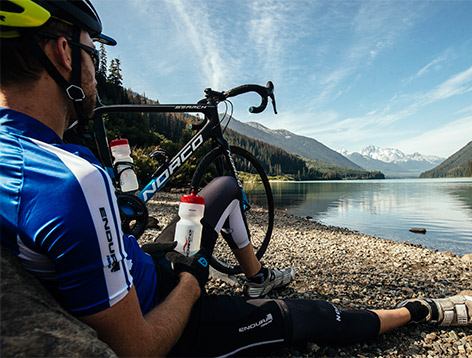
(264, 92)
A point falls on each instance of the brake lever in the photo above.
(214, 95)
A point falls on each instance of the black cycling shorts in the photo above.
(224, 325)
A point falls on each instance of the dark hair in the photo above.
(17, 64)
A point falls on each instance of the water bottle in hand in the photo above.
(188, 231)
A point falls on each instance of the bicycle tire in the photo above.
(259, 217)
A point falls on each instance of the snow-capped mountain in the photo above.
(390, 155)
(392, 162)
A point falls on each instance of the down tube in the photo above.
(166, 173)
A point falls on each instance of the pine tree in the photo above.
(114, 73)
(103, 61)
(468, 172)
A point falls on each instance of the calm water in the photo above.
(388, 208)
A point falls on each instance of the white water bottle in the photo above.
(123, 165)
(188, 231)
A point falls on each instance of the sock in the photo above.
(418, 311)
(259, 277)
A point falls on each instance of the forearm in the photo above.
(169, 318)
(129, 334)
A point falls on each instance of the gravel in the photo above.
(353, 270)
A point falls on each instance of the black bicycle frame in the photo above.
(211, 130)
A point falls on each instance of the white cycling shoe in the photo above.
(275, 279)
(449, 311)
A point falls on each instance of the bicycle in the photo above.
(222, 159)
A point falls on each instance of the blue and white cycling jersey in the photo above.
(59, 215)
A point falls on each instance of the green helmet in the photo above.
(21, 18)
(16, 15)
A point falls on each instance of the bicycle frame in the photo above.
(211, 130)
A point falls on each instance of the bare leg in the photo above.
(390, 319)
(248, 261)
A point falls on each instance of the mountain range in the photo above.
(290, 142)
(392, 162)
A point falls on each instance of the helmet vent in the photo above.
(10, 7)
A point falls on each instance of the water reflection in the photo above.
(388, 208)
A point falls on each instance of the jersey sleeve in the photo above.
(70, 218)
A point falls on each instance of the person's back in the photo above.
(44, 168)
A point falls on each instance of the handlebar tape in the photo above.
(264, 92)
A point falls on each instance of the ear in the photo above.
(62, 54)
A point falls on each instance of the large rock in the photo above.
(32, 322)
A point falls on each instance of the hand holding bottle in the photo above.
(197, 265)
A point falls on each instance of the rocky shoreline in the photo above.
(353, 270)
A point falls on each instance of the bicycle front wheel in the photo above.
(258, 210)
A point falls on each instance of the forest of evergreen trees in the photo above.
(170, 131)
(457, 165)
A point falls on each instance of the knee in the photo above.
(225, 184)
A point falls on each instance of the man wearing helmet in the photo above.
(60, 217)
(30, 49)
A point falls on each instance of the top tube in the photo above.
(123, 108)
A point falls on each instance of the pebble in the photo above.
(431, 336)
(354, 271)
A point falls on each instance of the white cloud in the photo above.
(273, 28)
(456, 85)
(194, 24)
(464, 110)
(436, 64)
(426, 68)
(443, 141)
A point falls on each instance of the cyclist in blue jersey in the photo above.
(59, 216)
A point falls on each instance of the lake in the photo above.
(388, 208)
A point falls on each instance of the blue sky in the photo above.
(396, 74)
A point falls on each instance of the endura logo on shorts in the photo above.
(338, 314)
(263, 322)
(113, 263)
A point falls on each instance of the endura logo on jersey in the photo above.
(113, 263)
(263, 322)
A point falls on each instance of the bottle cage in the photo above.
(134, 214)
(125, 166)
